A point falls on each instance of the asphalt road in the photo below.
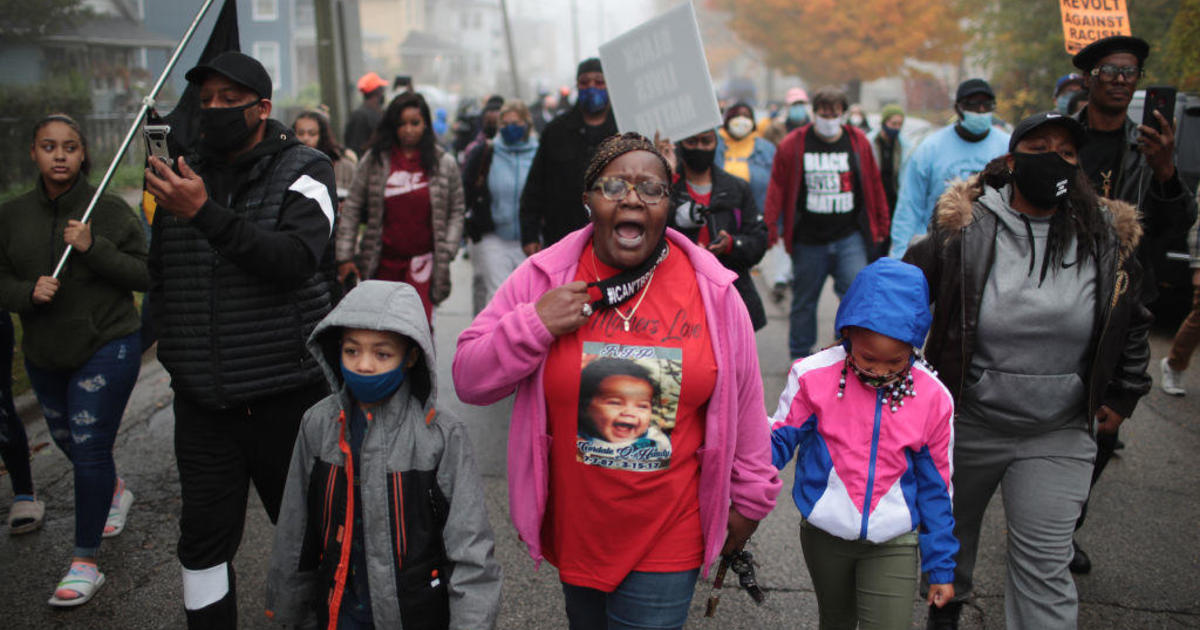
(1142, 530)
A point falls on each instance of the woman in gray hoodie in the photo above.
(1040, 334)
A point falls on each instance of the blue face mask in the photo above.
(1063, 102)
(797, 114)
(976, 124)
(891, 133)
(513, 133)
(593, 99)
(372, 388)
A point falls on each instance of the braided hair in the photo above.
(614, 147)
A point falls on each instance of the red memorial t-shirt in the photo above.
(626, 413)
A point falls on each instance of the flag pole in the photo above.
(147, 103)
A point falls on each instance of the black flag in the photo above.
(183, 127)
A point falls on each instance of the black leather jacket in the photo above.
(732, 209)
(956, 256)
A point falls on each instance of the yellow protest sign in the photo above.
(1085, 21)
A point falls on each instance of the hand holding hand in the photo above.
(561, 308)
(182, 195)
(44, 290)
(78, 235)
(1107, 420)
(940, 594)
(740, 530)
(1159, 147)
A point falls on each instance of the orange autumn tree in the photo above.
(832, 41)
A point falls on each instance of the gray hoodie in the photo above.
(426, 533)
(1026, 375)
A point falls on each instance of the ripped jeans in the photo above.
(83, 409)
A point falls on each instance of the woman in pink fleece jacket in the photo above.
(632, 517)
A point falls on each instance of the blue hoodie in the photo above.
(891, 298)
(941, 158)
(506, 181)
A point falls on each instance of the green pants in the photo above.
(861, 584)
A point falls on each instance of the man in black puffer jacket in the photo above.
(241, 271)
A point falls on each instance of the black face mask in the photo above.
(224, 128)
(1044, 179)
(699, 160)
(489, 131)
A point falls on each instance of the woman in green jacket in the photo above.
(81, 342)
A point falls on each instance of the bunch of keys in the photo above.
(742, 563)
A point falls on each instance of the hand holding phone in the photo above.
(156, 142)
(1161, 99)
(1157, 138)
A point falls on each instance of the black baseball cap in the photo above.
(591, 64)
(1073, 127)
(237, 67)
(971, 87)
(1091, 54)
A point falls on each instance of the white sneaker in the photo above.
(1172, 381)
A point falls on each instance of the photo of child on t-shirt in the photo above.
(627, 398)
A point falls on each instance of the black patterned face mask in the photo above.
(895, 386)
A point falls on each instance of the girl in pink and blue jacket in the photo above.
(872, 430)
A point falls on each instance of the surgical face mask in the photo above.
(372, 388)
(827, 127)
(798, 114)
(1063, 102)
(512, 133)
(739, 127)
(224, 128)
(856, 120)
(593, 99)
(976, 124)
(1044, 179)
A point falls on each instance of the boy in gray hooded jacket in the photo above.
(383, 522)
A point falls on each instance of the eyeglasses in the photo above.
(616, 189)
(1109, 72)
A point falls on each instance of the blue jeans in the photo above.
(811, 264)
(83, 409)
(14, 445)
(643, 601)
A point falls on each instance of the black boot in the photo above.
(944, 618)
(1080, 562)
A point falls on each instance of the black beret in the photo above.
(1091, 54)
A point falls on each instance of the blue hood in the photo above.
(891, 298)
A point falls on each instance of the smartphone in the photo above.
(156, 140)
(1161, 99)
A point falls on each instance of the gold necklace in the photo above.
(646, 289)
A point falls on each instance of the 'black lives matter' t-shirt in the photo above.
(827, 210)
(1101, 160)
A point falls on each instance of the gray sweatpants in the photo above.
(1043, 481)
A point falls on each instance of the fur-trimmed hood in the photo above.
(956, 209)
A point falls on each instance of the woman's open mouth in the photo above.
(629, 235)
